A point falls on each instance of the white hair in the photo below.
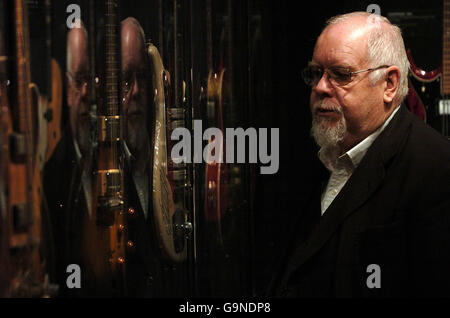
(384, 47)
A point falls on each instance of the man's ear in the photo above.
(392, 79)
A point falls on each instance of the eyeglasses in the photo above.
(338, 76)
(81, 80)
(129, 78)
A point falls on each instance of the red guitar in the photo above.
(218, 95)
(436, 112)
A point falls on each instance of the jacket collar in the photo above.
(364, 181)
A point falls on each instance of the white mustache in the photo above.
(325, 105)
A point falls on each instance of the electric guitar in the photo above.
(437, 110)
(217, 97)
(53, 112)
(216, 172)
(5, 130)
(26, 216)
(169, 178)
(105, 232)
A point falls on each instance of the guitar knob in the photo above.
(187, 230)
(131, 247)
(166, 78)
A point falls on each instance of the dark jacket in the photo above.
(393, 212)
(62, 189)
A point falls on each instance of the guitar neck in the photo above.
(112, 66)
(23, 109)
(446, 49)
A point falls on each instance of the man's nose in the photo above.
(135, 89)
(84, 90)
(324, 87)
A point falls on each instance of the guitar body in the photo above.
(424, 93)
(435, 85)
(216, 172)
(54, 110)
(24, 215)
(5, 130)
(163, 183)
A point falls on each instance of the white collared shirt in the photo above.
(342, 169)
(85, 180)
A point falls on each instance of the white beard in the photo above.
(328, 133)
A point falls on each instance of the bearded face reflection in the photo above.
(77, 90)
(134, 87)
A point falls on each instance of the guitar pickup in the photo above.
(17, 147)
(176, 113)
(22, 217)
(109, 129)
(444, 107)
(48, 115)
(107, 209)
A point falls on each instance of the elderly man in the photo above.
(377, 222)
(67, 184)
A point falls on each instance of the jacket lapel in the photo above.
(358, 189)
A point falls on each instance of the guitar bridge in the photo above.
(444, 107)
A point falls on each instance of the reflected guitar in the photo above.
(5, 130)
(25, 214)
(216, 172)
(105, 232)
(169, 213)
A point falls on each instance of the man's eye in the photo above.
(126, 83)
(339, 74)
(315, 73)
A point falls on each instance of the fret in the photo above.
(112, 60)
(446, 48)
(22, 68)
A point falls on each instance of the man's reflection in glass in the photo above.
(143, 266)
(66, 177)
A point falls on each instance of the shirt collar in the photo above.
(131, 159)
(78, 154)
(358, 152)
(127, 151)
(351, 159)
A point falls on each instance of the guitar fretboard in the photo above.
(23, 69)
(112, 59)
(446, 49)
